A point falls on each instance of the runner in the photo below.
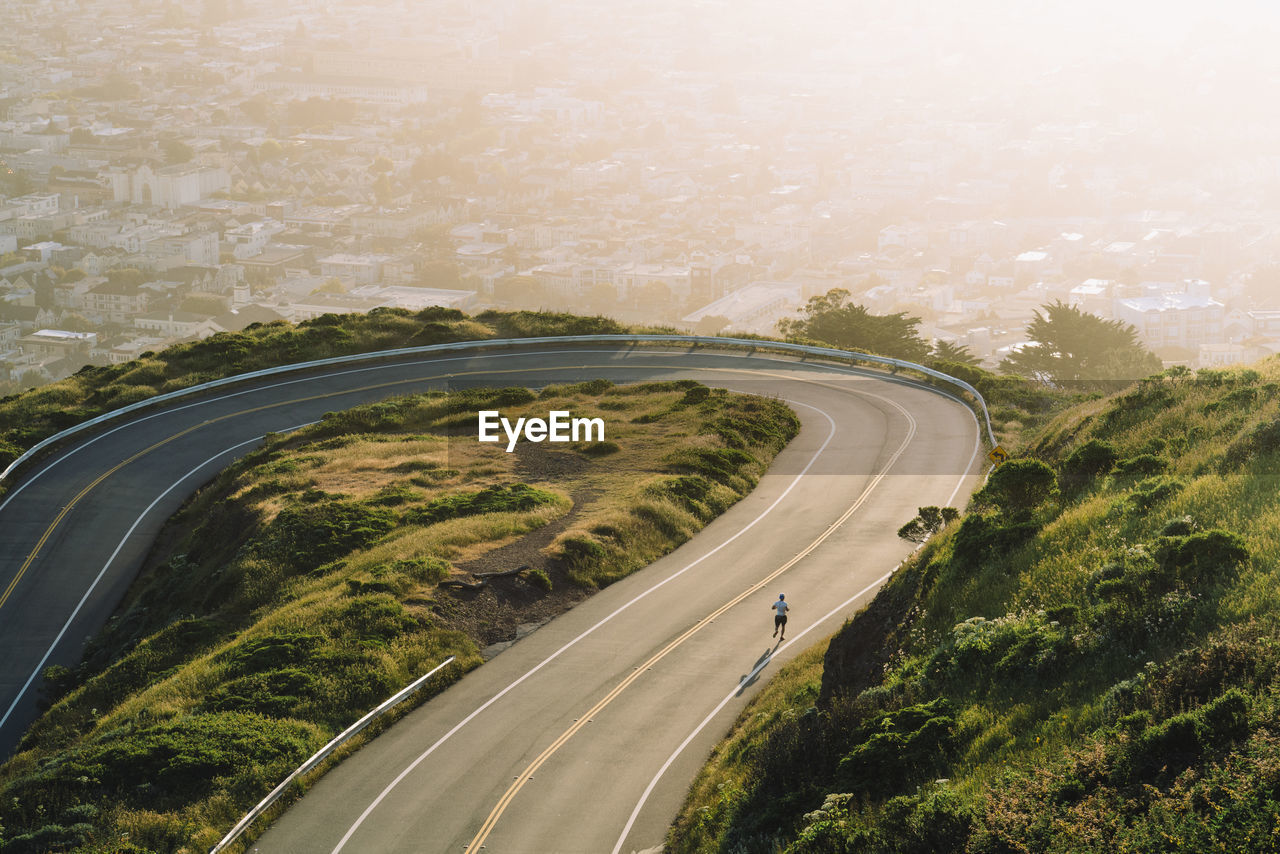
(780, 620)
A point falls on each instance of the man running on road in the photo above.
(780, 619)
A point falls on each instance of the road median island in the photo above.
(316, 576)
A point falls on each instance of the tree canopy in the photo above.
(948, 351)
(1070, 346)
(832, 318)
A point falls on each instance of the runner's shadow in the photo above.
(748, 679)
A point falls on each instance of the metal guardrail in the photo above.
(490, 343)
(323, 754)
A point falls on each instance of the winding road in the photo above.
(583, 736)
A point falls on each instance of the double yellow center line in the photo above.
(476, 843)
(62, 514)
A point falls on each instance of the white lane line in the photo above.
(644, 797)
(39, 667)
(310, 378)
(419, 760)
(807, 366)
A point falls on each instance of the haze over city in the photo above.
(172, 170)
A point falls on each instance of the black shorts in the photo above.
(780, 620)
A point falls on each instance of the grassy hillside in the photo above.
(1086, 661)
(320, 574)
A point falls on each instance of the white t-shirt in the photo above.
(781, 607)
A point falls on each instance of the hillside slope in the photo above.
(1087, 661)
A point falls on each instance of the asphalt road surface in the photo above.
(583, 736)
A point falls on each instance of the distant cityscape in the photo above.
(172, 170)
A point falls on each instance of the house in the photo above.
(175, 324)
(70, 295)
(57, 343)
(757, 307)
(364, 269)
(170, 187)
(1184, 320)
(115, 302)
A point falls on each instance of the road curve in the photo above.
(555, 745)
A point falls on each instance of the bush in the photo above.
(898, 747)
(583, 555)
(1153, 491)
(1178, 742)
(982, 537)
(538, 578)
(1017, 487)
(1262, 440)
(180, 759)
(1206, 557)
(303, 536)
(1143, 465)
(928, 521)
(517, 497)
(1087, 462)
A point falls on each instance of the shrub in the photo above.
(180, 759)
(723, 465)
(697, 394)
(516, 497)
(538, 578)
(1262, 440)
(1179, 741)
(928, 521)
(982, 537)
(1208, 556)
(1153, 491)
(583, 555)
(897, 747)
(275, 693)
(599, 449)
(1087, 462)
(1018, 486)
(1143, 465)
(303, 536)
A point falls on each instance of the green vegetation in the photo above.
(1072, 347)
(307, 583)
(1016, 403)
(1086, 662)
(833, 319)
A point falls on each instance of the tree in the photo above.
(834, 320)
(129, 277)
(947, 351)
(1017, 487)
(381, 165)
(1072, 346)
(176, 151)
(270, 150)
